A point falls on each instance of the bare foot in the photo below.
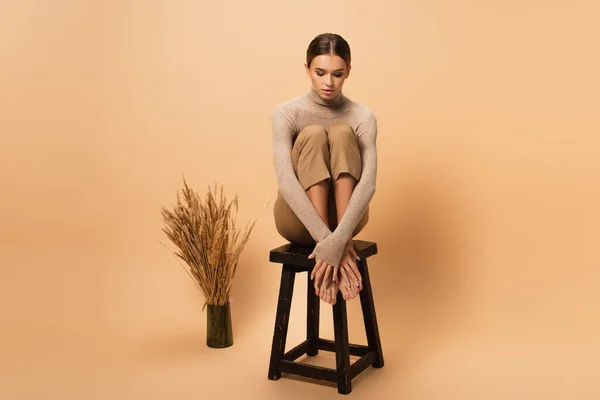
(329, 289)
(347, 286)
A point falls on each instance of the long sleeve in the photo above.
(289, 186)
(331, 249)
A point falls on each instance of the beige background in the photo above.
(486, 211)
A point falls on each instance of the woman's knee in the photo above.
(314, 134)
(341, 133)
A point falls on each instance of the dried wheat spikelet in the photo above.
(207, 239)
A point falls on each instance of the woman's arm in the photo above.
(332, 248)
(289, 186)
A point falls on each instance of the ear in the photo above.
(348, 73)
(307, 69)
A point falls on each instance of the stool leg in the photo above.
(284, 304)
(312, 317)
(342, 346)
(368, 309)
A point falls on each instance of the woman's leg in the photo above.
(346, 165)
(346, 168)
(310, 160)
(343, 187)
(319, 195)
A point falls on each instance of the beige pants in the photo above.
(318, 154)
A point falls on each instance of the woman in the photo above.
(325, 158)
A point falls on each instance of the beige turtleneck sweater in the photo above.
(288, 119)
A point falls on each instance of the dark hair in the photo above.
(328, 43)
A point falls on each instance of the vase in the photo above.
(218, 326)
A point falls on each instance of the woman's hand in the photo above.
(321, 272)
(348, 267)
(350, 248)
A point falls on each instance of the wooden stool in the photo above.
(295, 259)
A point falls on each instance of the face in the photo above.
(327, 74)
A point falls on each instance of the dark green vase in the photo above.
(218, 326)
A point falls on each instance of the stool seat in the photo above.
(298, 255)
(295, 260)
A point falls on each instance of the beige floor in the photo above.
(132, 328)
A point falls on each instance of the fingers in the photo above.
(351, 250)
(315, 269)
(351, 273)
(346, 274)
(325, 292)
(330, 295)
(345, 277)
(354, 267)
(319, 277)
(327, 273)
(314, 275)
(352, 282)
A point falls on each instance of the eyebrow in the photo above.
(341, 69)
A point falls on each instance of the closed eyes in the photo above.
(336, 75)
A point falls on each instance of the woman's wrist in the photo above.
(331, 249)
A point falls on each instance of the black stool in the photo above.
(295, 259)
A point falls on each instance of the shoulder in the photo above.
(364, 118)
(288, 108)
(363, 113)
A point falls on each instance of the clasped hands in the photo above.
(346, 276)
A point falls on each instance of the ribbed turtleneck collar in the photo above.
(327, 108)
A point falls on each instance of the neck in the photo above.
(335, 102)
